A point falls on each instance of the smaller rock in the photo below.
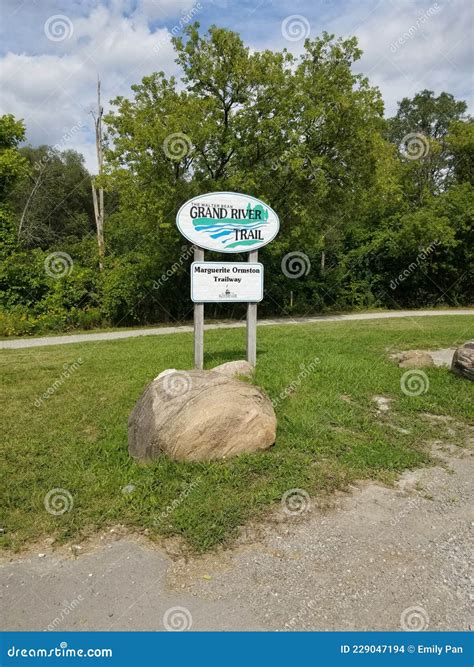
(233, 368)
(414, 359)
(383, 403)
(130, 488)
(442, 357)
(463, 360)
(168, 371)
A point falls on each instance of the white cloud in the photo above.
(51, 83)
(158, 10)
(409, 46)
(437, 53)
(54, 92)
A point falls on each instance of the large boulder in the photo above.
(463, 360)
(200, 415)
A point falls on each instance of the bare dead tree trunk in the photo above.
(323, 256)
(36, 185)
(98, 193)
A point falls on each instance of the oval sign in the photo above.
(227, 222)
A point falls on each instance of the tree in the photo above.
(13, 167)
(420, 128)
(12, 164)
(460, 143)
(52, 201)
(304, 134)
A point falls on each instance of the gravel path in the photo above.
(161, 331)
(379, 558)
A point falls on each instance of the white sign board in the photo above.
(227, 222)
(226, 282)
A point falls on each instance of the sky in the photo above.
(53, 50)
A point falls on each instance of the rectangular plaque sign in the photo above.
(231, 282)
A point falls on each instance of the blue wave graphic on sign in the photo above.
(225, 228)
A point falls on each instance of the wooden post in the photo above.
(198, 321)
(252, 322)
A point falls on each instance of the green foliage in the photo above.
(32, 301)
(420, 130)
(13, 167)
(421, 257)
(123, 290)
(460, 142)
(53, 201)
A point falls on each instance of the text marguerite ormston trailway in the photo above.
(231, 271)
(208, 278)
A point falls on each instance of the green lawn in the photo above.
(77, 438)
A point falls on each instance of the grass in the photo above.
(77, 438)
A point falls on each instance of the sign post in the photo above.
(226, 222)
(252, 322)
(198, 321)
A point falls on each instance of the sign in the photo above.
(227, 222)
(221, 282)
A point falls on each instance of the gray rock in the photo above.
(463, 360)
(200, 415)
(414, 359)
(233, 368)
